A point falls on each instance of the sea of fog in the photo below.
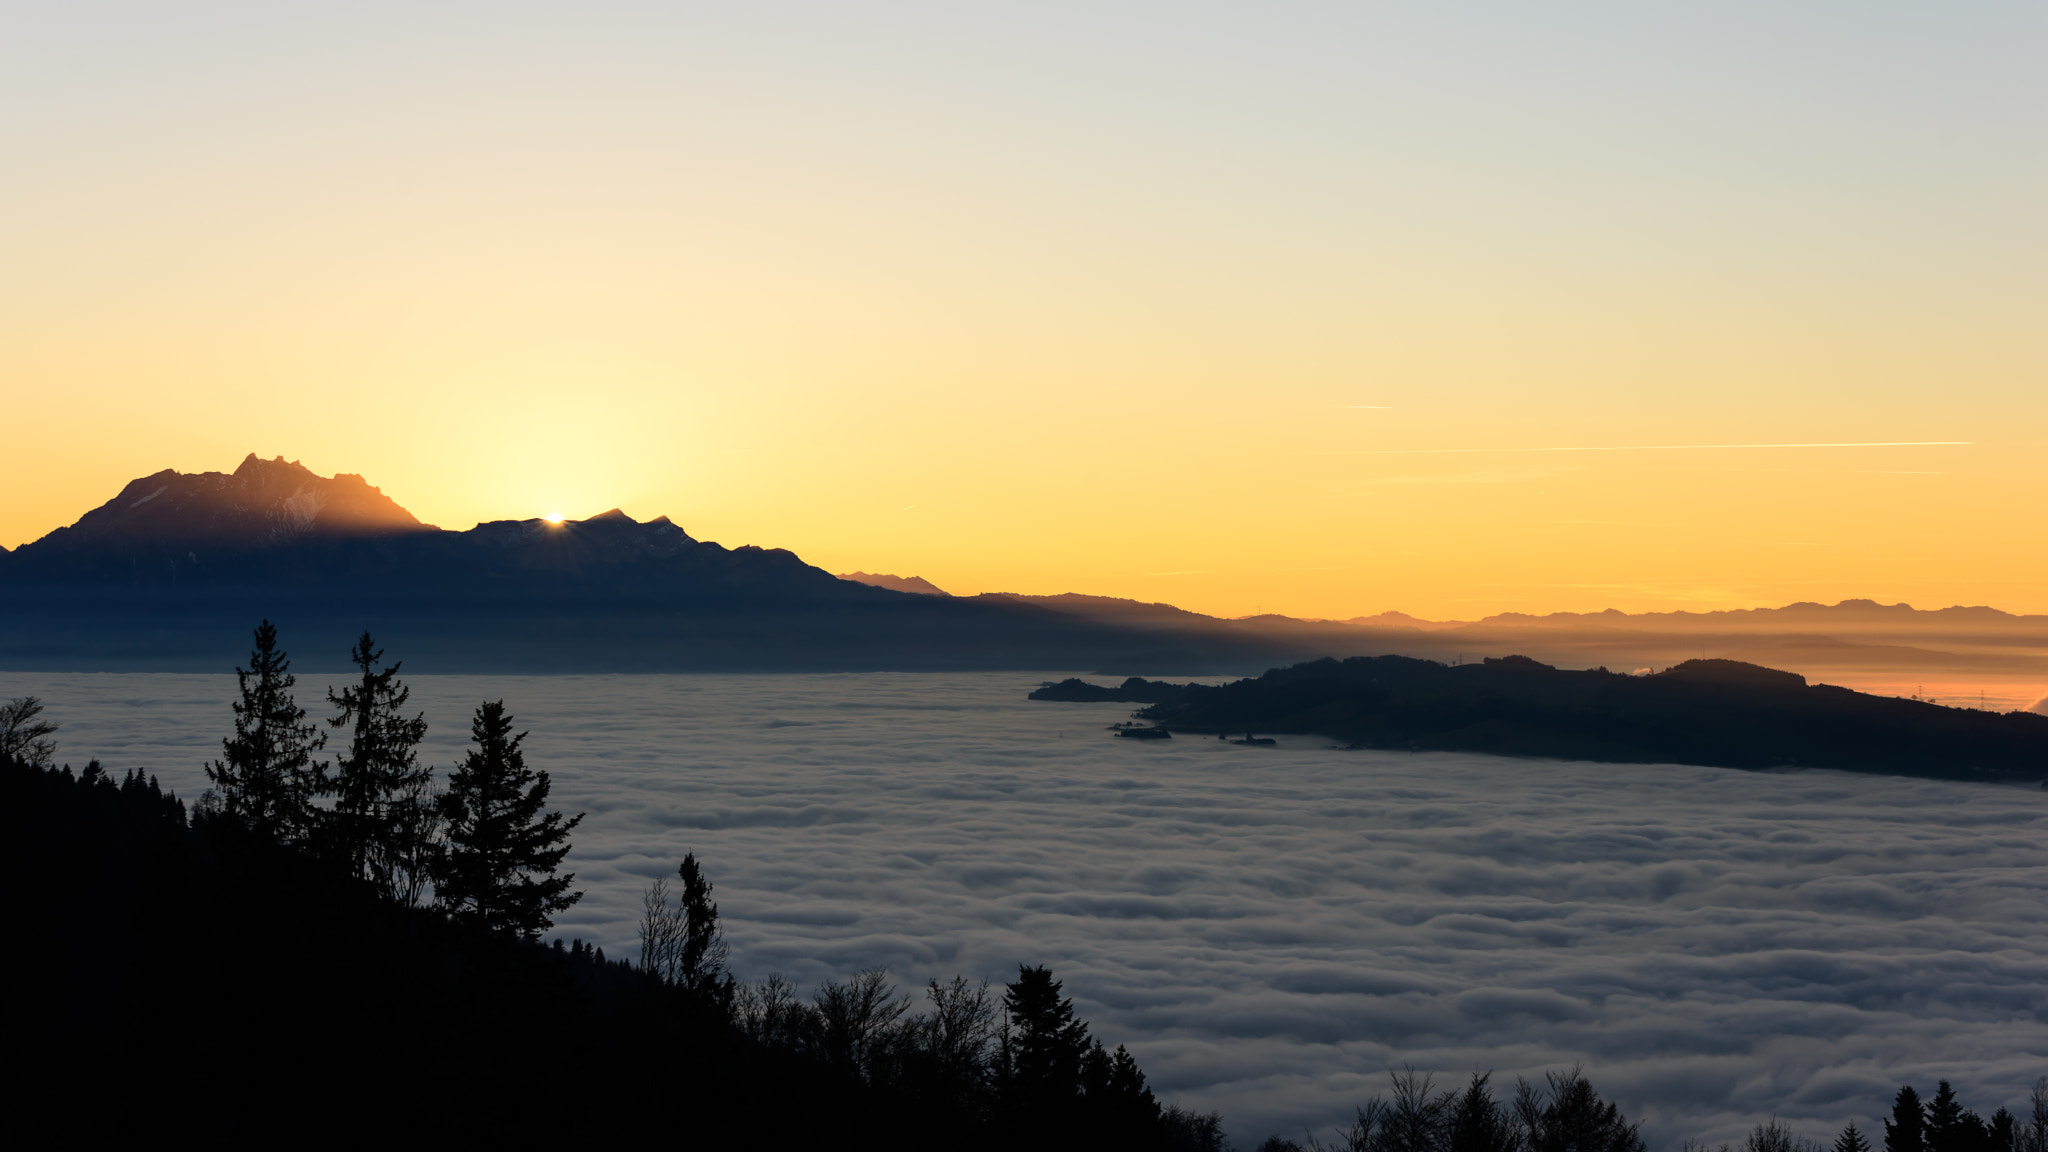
(1270, 930)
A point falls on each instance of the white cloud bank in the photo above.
(1271, 929)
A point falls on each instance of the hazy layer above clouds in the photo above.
(1270, 930)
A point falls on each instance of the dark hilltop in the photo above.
(1713, 712)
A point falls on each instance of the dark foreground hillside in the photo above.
(1712, 712)
(177, 977)
(180, 980)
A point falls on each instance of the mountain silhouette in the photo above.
(917, 584)
(262, 504)
(174, 571)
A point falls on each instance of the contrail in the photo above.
(1647, 448)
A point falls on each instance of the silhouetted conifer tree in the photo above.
(1477, 1123)
(701, 967)
(682, 943)
(1945, 1127)
(1574, 1118)
(1851, 1140)
(499, 867)
(1044, 1048)
(383, 823)
(24, 739)
(266, 777)
(2003, 1131)
(1906, 1131)
(1122, 1108)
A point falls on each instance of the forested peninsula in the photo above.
(1720, 713)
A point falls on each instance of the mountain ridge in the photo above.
(174, 571)
(178, 564)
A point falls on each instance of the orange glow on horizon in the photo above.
(1321, 315)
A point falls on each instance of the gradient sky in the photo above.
(1206, 303)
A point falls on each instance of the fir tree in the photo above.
(701, 966)
(1113, 1085)
(682, 944)
(1946, 1131)
(1906, 1131)
(1577, 1120)
(1046, 1042)
(382, 825)
(266, 776)
(1851, 1140)
(498, 870)
(1476, 1121)
(2003, 1131)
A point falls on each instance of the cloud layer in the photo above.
(1271, 929)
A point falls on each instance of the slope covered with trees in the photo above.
(1714, 712)
(332, 952)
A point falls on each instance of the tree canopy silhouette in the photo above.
(266, 777)
(682, 943)
(23, 738)
(381, 818)
(1906, 1131)
(499, 867)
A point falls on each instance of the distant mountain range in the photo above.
(1861, 615)
(176, 569)
(917, 584)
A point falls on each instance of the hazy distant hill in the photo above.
(917, 584)
(1849, 615)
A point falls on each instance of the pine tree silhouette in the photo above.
(499, 867)
(266, 777)
(1046, 1043)
(701, 966)
(1477, 1123)
(682, 944)
(2003, 1131)
(1851, 1140)
(381, 822)
(1906, 1131)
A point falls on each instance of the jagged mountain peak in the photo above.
(260, 504)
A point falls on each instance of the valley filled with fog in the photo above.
(1270, 930)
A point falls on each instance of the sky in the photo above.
(1314, 308)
